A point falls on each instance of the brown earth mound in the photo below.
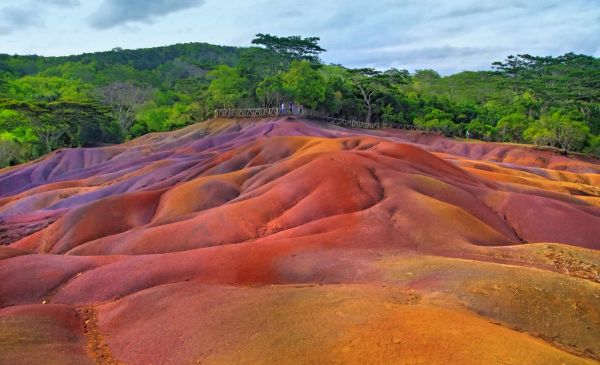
(293, 241)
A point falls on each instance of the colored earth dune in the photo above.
(289, 241)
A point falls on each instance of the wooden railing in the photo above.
(277, 112)
(266, 112)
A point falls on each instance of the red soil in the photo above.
(203, 245)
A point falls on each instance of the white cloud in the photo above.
(116, 12)
(413, 34)
(14, 19)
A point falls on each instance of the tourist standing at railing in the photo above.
(290, 108)
(282, 109)
(300, 109)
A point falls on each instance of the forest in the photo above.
(109, 97)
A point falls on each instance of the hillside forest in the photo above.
(109, 97)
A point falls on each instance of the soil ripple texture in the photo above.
(293, 241)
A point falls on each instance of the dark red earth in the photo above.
(296, 241)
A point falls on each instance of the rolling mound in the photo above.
(295, 241)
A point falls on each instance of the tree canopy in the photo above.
(293, 47)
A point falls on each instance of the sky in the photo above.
(448, 36)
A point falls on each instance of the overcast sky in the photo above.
(448, 36)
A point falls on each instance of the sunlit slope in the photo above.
(294, 241)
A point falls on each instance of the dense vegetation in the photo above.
(107, 97)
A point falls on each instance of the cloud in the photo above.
(445, 59)
(65, 3)
(28, 14)
(448, 36)
(436, 53)
(14, 19)
(481, 8)
(462, 34)
(112, 13)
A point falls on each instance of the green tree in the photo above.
(38, 118)
(444, 126)
(58, 123)
(291, 48)
(42, 88)
(425, 79)
(568, 82)
(559, 131)
(511, 127)
(594, 147)
(258, 63)
(228, 89)
(271, 91)
(370, 85)
(306, 85)
(481, 130)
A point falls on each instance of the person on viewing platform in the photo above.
(291, 108)
(300, 109)
(282, 109)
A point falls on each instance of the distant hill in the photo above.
(200, 54)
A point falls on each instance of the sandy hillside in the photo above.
(288, 241)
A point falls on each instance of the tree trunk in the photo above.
(367, 99)
(48, 145)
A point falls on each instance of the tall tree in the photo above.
(371, 84)
(558, 130)
(60, 123)
(293, 47)
(271, 91)
(228, 88)
(306, 85)
(512, 126)
(259, 63)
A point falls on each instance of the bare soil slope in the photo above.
(294, 241)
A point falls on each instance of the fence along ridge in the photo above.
(276, 112)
